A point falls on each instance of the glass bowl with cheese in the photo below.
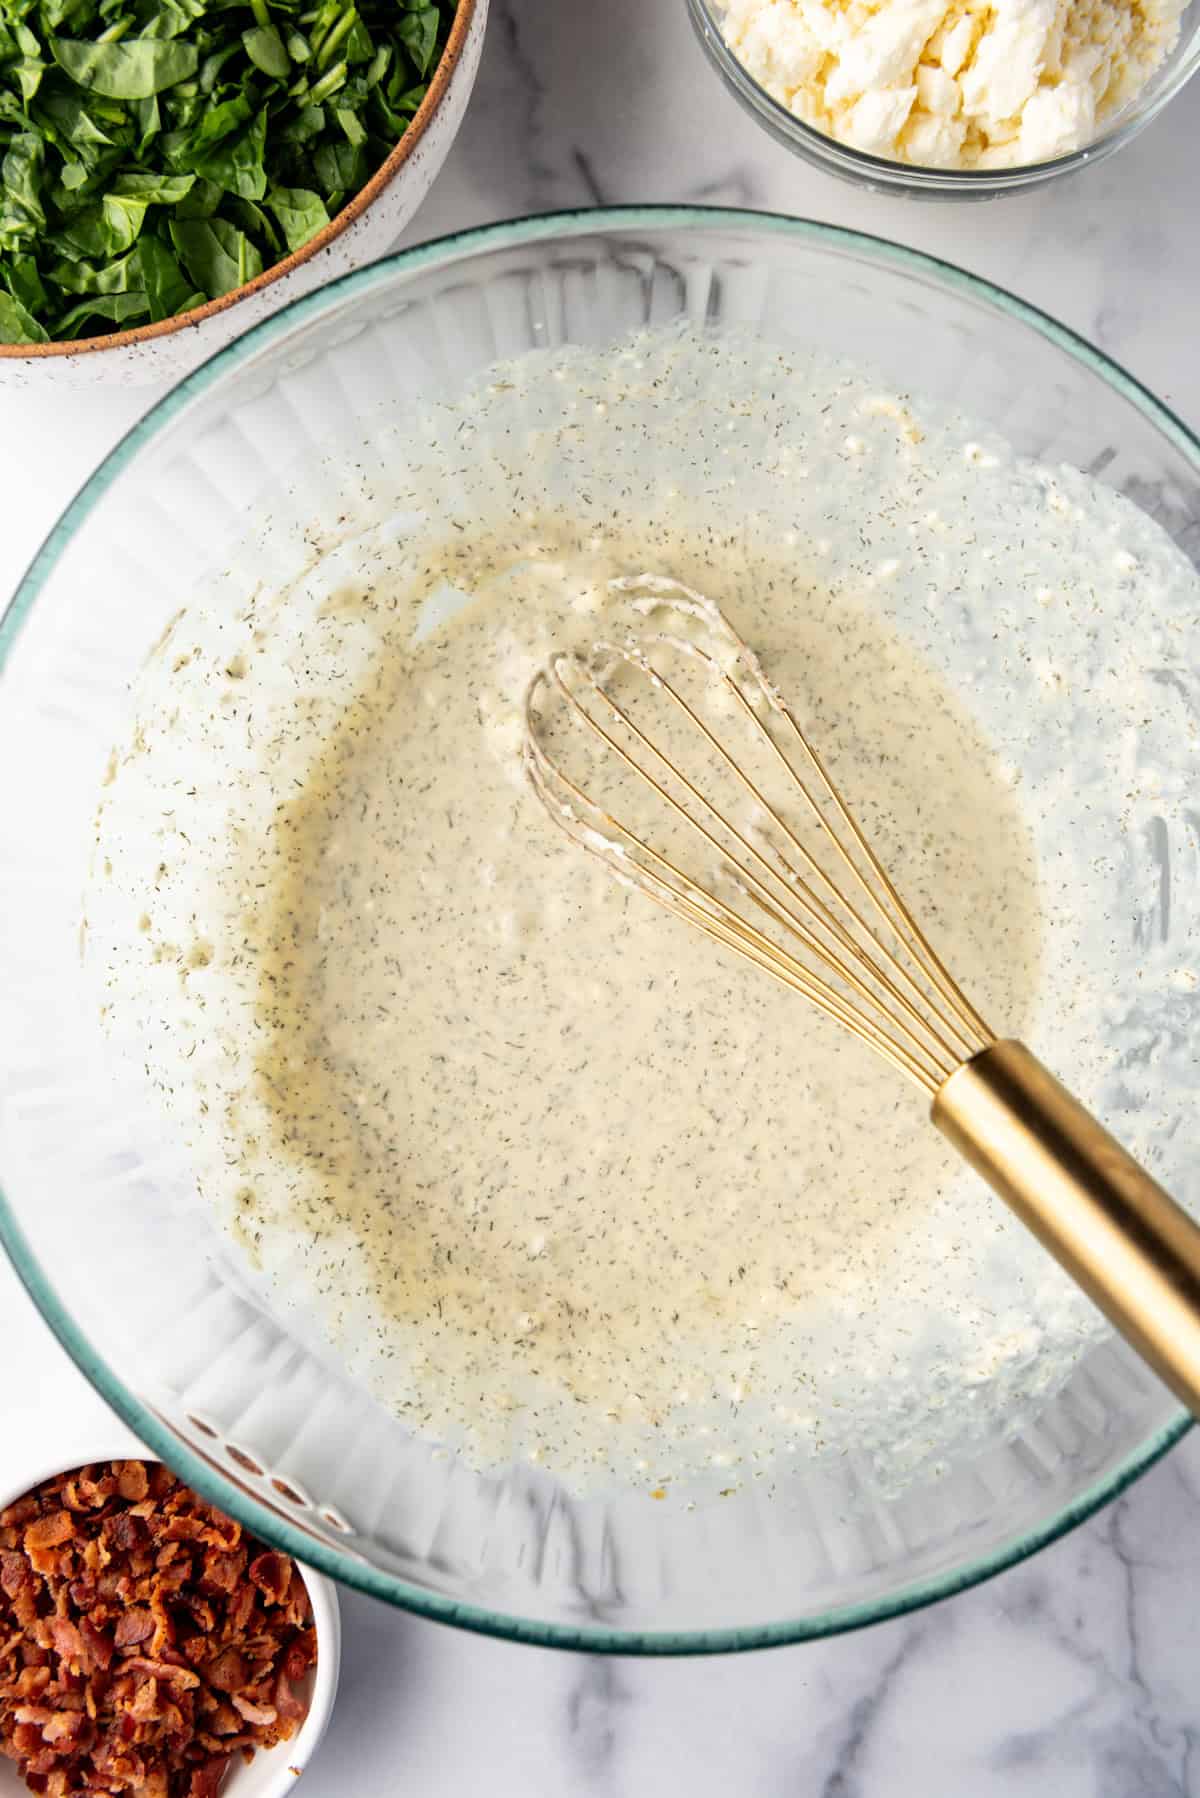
(951, 99)
(341, 1209)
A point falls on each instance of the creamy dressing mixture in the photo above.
(593, 1159)
(556, 1177)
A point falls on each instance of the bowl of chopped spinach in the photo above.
(173, 170)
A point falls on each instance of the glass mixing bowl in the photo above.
(881, 175)
(105, 1228)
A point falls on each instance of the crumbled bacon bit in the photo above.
(287, 1703)
(228, 1671)
(14, 1573)
(48, 1531)
(272, 1574)
(99, 1643)
(124, 1532)
(301, 1655)
(222, 1570)
(134, 1626)
(144, 1639)
(132, 1480)
(67, 1644)
(254, 1713)
(207, 1778)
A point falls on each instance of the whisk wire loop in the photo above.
(832, 948)
(800, 886)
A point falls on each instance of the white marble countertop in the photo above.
(1074, 1676)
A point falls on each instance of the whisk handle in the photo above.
(1134, 1251)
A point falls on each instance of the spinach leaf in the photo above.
(156, 271)
(21, 174)
(154, 190)
(216, 255)
(28, 64)
(115, 308)
(218, 121)
(202, 201)
(237, 163)
(88, 234)
(17, 325)
(110, 228)
(77, 275)
(340, 168)
(81, 182)
(171, 18)
(303, 126)
(301, 213)
(210, 68)
(57, 13)
(257, 224)
(71, 121)
(130, 68)
(418, 32)
(24, 282)
(147, 120)
(266, 51)
(351, 124)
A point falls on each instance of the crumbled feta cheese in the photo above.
(954, 83)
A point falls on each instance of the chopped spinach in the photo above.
(300, 213)
(158, 153)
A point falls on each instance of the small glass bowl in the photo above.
(880, 174)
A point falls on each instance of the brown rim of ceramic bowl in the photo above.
(191, 321)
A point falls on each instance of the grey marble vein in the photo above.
(594, 1706)
(843, 1780)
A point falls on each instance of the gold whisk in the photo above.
(819, 912)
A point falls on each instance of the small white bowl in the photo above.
(274, 1771)
(365, 228)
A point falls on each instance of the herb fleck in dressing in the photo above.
(599, 1170)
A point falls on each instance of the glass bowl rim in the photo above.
(219, 1487)
(884, 173)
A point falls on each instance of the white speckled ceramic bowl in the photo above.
(365, 228)
(880, 174)
(274, 1771)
